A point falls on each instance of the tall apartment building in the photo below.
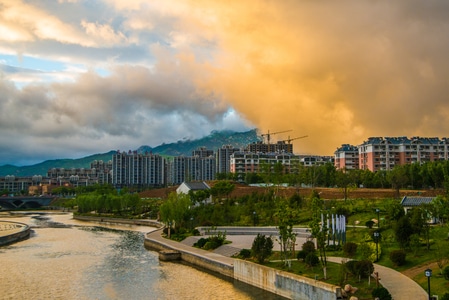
(223, 158)
(135, 169)
(279, 147)
(191, 168)
(347, 157)
(383, 153)
(243, 162)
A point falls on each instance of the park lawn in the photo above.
(438, 285)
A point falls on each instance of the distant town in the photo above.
(148, 170)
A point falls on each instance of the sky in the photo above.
(84, 77)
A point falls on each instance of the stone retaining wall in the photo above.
(21, 234)
(193, 258)
(285, 284)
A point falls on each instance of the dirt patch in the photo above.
(325, 193)
(416, 270)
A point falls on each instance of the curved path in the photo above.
(399, 285)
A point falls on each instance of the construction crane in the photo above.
(296, 138)
(268, 134)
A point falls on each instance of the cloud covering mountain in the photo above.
(80, 77)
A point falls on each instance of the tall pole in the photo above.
(428, 274)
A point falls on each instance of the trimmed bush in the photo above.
(308, 247)
(200, 243)
(301, 255)
(311, 259)
(398, 257)
(369, 224)
(245, 253)
(381, 293)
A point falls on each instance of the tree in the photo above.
(319, 231)
(222, 188)
(397, 178)
(285, 219)
(174, 211)
(344, 181)
(403, 230)
(262, 248)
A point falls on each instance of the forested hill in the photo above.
(213, 141)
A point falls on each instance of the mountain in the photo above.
(215, 140)
(43, 167)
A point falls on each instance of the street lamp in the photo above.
(428, 274)
(376, 240)
(254, 218)
(378, 220)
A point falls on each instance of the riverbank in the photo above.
(139, 222)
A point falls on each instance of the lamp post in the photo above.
(254, 218)
(428, 274)
(376, 240)
(378, 220)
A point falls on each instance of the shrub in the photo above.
(445, 296)
(381, 293)
(201, 242)
(245, 253)
(364, 268)
(301, 255)
(309, 247)
(311, 259)
(398, 257)
(446, 273)
(351, 267)
(350, 249)
(369, 224)
(211, 245)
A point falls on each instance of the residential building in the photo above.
(383, 153)
(136, 169)
(243, 162)
(347, 157)
(223, 158)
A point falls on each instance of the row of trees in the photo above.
(415, 176)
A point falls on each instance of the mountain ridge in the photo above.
(213, 141)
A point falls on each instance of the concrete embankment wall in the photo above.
(194, 258)
(151, 223)
(24, 233)
(282, 283)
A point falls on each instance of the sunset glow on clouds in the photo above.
(82, 77)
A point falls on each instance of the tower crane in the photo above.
(296, 138)
(268, 134)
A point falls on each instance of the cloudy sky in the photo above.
(83, 77)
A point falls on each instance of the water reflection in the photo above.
(69, 259)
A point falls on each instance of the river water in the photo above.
(70, 259)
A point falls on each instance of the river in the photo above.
(70, 259)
